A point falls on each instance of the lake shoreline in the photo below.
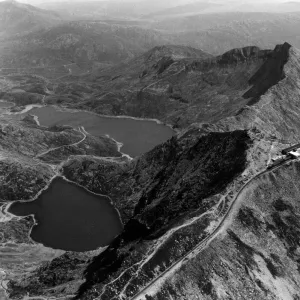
(11, 216)
(29, 107)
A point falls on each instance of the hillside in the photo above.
(19, 18)
(85, 44)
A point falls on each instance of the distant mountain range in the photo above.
(18, 18)
(217, 33)
(34, 37)
(161, 9)
(86, 44)
(111, 9)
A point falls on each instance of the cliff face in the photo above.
(270, 73)
(276, 110)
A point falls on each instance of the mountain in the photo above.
(96, 10)
(184, 10)
(82, 43)
(203, 215)
(171, 83)
(75, 47)
(134, 10)
(19, 18)
(220, 32)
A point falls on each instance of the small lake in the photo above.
(71, 218)
(137, 136)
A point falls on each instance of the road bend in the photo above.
(80, 129)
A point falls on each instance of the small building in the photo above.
(289, 149)
(294, 154)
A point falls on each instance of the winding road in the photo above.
(80, 129)
(204, 243)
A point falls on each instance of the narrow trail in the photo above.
(203, 244)
(160, 242)
(43, 100)
(48, 298)
(80, 129)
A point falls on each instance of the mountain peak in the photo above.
(285, 47)
(270, 73)
(242, 54)
(175, 51)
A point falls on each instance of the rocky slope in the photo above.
(203, 217)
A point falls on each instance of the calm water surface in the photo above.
(137, 136)
(71, 218)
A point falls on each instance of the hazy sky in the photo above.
(188, 1)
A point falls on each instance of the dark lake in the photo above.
(137, 136)
(71, 218)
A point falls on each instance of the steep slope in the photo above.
(256, 256)
(277, 109)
